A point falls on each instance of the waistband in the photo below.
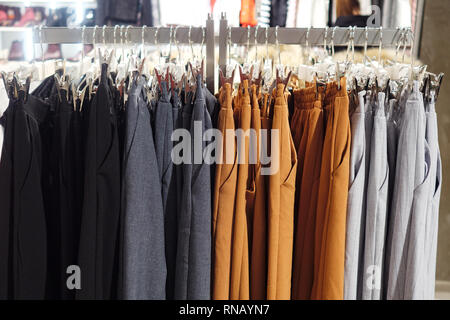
(225, 97)
(333, 91)
(35, 108)
(305, 98)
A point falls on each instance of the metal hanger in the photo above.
(332, 41)
(280, 78)
(325, 40)
(380, 47)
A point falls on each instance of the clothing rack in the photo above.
(308, 36)
(227, 36)
(135, 35)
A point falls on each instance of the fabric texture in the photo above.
(239, 282)
(281, 203)
(23, 245)
(143, 260)
(356, 205)
(98, 251)
(410, 187)
(376, 211)
(308, 129)
(329, 252)
(224, 198)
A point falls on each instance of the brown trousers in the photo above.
(240, 282)
(281, 194)
(224, 199)
(256, 212)
(329, 251)
(308, 128)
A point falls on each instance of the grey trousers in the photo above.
(143, 255)
(354, 238)
(408, 209)
(376, 211)
(193, 260)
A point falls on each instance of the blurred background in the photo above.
(427, 18)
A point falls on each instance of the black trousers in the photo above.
(23, 236)
(98, 248)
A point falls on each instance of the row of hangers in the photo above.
(124, 59)
(130, 62)
(378, 75)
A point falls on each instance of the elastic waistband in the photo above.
(306, 98)
(334, 92)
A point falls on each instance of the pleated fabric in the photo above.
(376, 211)
(356, 205)
(329, 252)
(239, 281)
(433, 199)
(308, 120)
(409, 203)
(281, 202)
(224, 198)
(257, 209)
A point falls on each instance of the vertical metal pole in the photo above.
(223, 34)
(210, 55)
(418, 28)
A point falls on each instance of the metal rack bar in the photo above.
(111, 35)
(199, 35)
(298, 36)
(53, 4)
(131, 35)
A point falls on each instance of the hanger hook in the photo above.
(83, 30)
(366, 41)
(177, 43)
(278, 44)
(267, 42)
(127, 35)
(353, 43)
(229, 45)
(42, 45)
(405, 41)
(256, 42)
(143, 41)
(307, 37)
(348, 42)
(397, 47)
(411, 34)
(170, 41)
(380, 46)
(203, 41)
(115, 34)
(103, 35)
(190, 41)
(248, 42)
(332, 41)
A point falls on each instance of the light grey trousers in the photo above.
(376, 210)
(432, 215)
(409, 203)
(356, 205)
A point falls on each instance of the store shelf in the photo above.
(50, 3)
